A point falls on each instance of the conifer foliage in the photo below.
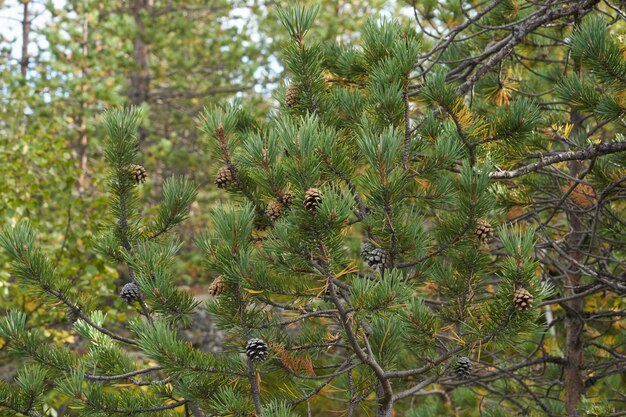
(369, 255)
(127, 238)
(333, 287)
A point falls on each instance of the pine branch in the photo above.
(415, 388)
(123, 376)
(589, 152)
(538, 19)
(255, 391)
(367, 359)
(343, 368)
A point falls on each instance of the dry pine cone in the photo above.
(138, 173)
(522, 299)
(312, 200)
(274, 210)
(224, 177)
(483, 231)
(287, 199)
(217, 287)
(292, 95)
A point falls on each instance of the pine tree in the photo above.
(305, 286)
(127, 238)
(394, 235)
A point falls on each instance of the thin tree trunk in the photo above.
(83, 139)
(140, 78)
(574, 384)
(24, 61)
(25, 38)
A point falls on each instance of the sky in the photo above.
(11, 21)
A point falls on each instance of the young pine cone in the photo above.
(292, 95)
(312, 200)
(522, 299)
(224, 177)
(138, 173)
(483, 231)
(217, 287)
(274, 210)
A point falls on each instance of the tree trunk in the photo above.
(25, 39)
(83, 139)
(140, 78)
(574, 383)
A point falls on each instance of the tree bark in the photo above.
(140, 78)
(574, 384)
(83, 139)
(25, 38)
(255, 390)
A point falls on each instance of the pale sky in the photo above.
(11, 21)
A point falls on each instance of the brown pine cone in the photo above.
(274, 210)
(522, 299)
(138, 173)
(483, 231)
(312, 200)
(224, 177)
(217, 287)
(292, 95)
(287, 199)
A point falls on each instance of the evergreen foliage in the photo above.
(381, 228)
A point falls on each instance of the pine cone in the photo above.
(373, 256)
(463, 368)
(224, 176)
(71, 314)
(522, 299)
(138, 173)
(130, 293)
(483, 231)
(292, 95)
(256, 350)
(217, 287)
(287, 199)
(274, 210)
(312, 200)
